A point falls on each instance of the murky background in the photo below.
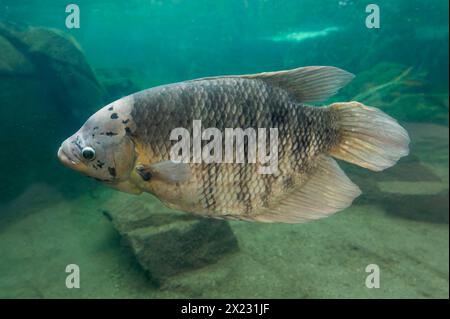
(52, 78)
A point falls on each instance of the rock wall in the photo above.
(47, 90)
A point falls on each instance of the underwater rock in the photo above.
(432, 208)
(165, 244)
(34, 198)
(119, 82)
(63, 65)
(12, 60)
(56, 46)
(409, 198)
(46, 89)
(417, 187)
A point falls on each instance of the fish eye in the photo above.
(88, 153)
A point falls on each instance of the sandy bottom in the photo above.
(42, 231)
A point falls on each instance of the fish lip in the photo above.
(65, 159)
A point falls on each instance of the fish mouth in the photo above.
(66, 159)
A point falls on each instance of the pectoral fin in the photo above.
(168, 171)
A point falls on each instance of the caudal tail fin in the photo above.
(369, 137)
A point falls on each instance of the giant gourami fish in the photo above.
(127, 145)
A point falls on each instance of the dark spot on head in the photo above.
(100, 163)
(95, 128)
(110, 133)
(112, 171)
(126, 121)
(114, 116)
(110, 108)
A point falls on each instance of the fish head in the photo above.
(103, 147)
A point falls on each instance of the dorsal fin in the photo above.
(306, 84)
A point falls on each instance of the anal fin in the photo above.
(327, 191)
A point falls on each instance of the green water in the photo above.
(52, 78)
